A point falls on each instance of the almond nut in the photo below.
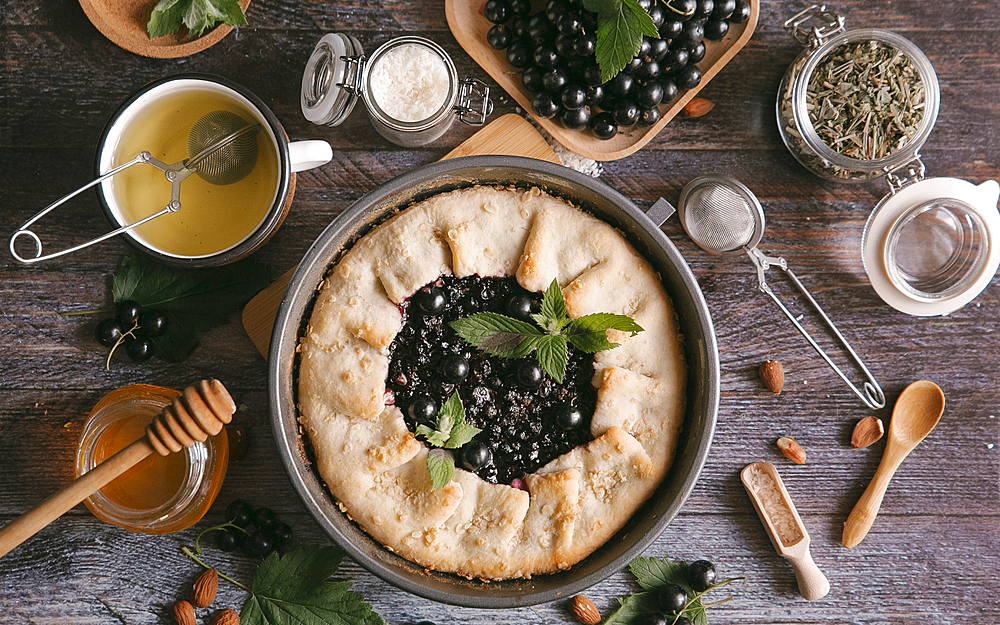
(792, 450)
(204, 588)
(697, 107)
(226, 617)
(584, 610)
(772, 374)
(866, 432)
(183, 613)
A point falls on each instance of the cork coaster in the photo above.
(124, 23)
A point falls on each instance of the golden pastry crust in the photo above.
(374, 466)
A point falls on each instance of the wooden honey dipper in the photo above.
(197, 413)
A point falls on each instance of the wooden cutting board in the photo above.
(510, 135)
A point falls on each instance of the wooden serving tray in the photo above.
(509, 135)
(469, 28)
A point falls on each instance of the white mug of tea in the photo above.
(195, 170)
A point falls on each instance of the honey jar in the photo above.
(161, 494)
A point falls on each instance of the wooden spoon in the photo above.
(917, 411)
(199, 412)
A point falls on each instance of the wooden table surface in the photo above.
(933, 555)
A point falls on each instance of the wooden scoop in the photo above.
(784, 526)
(917, 411)
(199, 412)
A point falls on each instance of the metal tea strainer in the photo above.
(222, 149)
(724, 217)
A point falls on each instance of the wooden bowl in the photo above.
(469, 27)
(124, 23)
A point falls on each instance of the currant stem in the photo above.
(699, 595)
(188, 553)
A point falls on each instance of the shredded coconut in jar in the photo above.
(410, 82)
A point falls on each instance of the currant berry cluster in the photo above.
(269, 533)
(556, 51)
(133, 326)
(672, 598)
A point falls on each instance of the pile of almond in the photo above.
(202, 595)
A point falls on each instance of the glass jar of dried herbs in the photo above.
(855, 105)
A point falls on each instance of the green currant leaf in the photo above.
(589, 333)
(553, 303)
(441, 466)
(651, 573)
(553, 353)
(295, 588)
(619, 35)
(194, 300)
(497, 334)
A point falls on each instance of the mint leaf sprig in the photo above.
(651, 575)
(511, 338)
(198, 15)
(450, 431)
(621, 24)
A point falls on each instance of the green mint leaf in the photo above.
(167, 16)
(194, 300)
(460, 431)
(552, 354)
(441, 466)
(294, 588)
(497, 334)
(553, 304)
(589, 333)
(196, 17)
(436, 438)
(227, 11)
(461, 434)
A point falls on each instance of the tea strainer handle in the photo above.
(174, 174)
(873, 397)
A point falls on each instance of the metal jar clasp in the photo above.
(469, 111)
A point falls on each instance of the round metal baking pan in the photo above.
(701, 352)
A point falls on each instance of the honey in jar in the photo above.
(160, 494)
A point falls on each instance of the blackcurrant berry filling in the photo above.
(525, 424)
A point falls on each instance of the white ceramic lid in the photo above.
(979, 201)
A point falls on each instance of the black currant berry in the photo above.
(519, 27)
(649, 95)
(538, 28)
(496, 11)
(683, 620)
(603, 126)
(454, 368)
(519, 54)
(701, 575)
(669, 90)
(652, 618)
(682, 9)
(691, 35)
(649, 71)
(649, 116)
(546, 56)
(263, 518)
(696, 53)
(621, 85)
(519, 306)
(554, 9)
(474, 456)
(626, 113)
(688, 77)
(422, 409)
(741, 13)
(575, 119)
(529, 374)
(573, 97)
(671, 28)
(554, 80)
(139, 349)
(594, 95)
(569, 24)
(674, 60)
(592, 75)
(586, 45)
(127, 313)
(108, 332)
(228, 539)
(633, 66)
(239, 513)
(716, 29)
(532, 79)
(280, 534)
(153, 322)
(568, 417)
(703, 9)
(723, 9)
(658, 14)
(259, 544)
(671, 598)
(657, 50)
(519, 8)
(499, 37)
(430, 301)
(544, 105)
